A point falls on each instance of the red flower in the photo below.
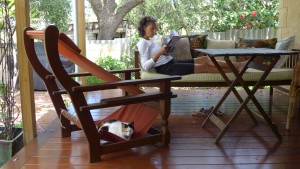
(247, 24)
(254, 14)
(242, 16)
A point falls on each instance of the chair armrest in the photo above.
(71, 75)
(89, 74)
(79, 74)
(125, 70)
(113, 85)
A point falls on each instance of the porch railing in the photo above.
(235, 34)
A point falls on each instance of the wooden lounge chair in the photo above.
(293, 96)
(130, 107)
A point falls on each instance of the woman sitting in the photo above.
(153, 55)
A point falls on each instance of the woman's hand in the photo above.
(163, 50)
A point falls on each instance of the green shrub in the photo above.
(108, 63)
(18, 124)
(128, 60)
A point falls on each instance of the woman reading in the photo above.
(153, 55)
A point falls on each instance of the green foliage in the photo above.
(133, 41)
(7, 9)
(203, 15)
(128, 60)
(18, 125)
(162, 10)
(2, 89)
(56, 12)
(6, 5)
(238, 14)
(67, 102)
(108, 63)
(9, 112)
(92, 79)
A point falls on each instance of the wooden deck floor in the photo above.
(244, 146)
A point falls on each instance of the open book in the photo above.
(174, 36)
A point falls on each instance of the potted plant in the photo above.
(11, 138)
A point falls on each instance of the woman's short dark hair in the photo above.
(145, 21)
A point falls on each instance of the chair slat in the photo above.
(117, 101)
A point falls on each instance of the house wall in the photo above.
(289, 23)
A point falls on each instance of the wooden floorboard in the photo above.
(244, 145)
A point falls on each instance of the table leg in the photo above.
(226, 126)
(255, 88)
(219, 123)
(231, 88)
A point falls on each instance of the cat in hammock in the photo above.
(121, 129)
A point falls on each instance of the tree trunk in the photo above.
(108, 27)
(110, 15)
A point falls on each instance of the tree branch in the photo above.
(128, 5)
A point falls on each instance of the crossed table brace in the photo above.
(257, 55)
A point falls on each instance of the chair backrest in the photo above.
(32, 56)
(67, 49)
(46, 76)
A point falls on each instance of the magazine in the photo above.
(174, 36)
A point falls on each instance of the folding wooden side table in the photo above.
(260, 58)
